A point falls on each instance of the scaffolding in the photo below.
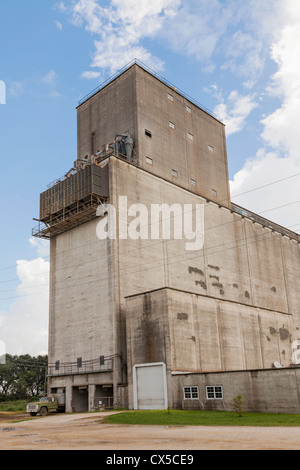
(72, 200)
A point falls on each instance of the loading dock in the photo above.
(80, 401)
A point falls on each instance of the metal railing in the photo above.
(79, 212)
(264, 222)
(155, 74)
(104, 403)
(80, 367)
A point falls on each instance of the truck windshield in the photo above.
(44, 399)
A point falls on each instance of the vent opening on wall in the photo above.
(148, 133)
(149, 160)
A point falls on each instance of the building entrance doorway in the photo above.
(80, 399)
(104, 397)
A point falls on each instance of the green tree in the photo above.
(23, 376)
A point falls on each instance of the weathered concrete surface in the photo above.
(231, 304)
(84, 432)
(263, 391)
(137, 101)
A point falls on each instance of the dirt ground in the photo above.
(88, 432)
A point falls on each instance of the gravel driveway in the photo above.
(87, 432)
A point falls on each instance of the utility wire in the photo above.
(159, 265)
(158, 242)
(251, 190)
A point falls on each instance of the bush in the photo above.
(237, 405)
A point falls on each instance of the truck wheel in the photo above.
(32, 413)
(43, 411)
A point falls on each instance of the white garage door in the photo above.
(150, 388)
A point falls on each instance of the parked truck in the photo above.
(48, 404)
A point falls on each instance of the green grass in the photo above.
(18, 405)
(202, 418)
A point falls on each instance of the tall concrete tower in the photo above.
(134, 308)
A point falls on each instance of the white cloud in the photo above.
(237, 38)
(279, 156)
(24, 327)
(42, 246)
(51, 81)
(60, 6)
(50, 78)
(90, 75)
(16, 88)
(196, 29)
(120, 27)
(236, 111)
(59, 25)
(235, 32)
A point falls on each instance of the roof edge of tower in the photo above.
(155, 75)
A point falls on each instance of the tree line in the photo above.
(23, 377)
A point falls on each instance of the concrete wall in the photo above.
(82, 302)
(241, 261)
(229, 305)
(110, 112)
(194, 333)
(265, 391)
(71, 383)
(137, 101)
(185, 148)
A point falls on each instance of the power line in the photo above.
(155, 243)
(251, 190)
(159, 265)
(136, 249)
(265, 185)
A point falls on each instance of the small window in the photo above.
(175, 173)
(148, 133)
(149, 160)
(79, 362)
(193, 182)
(172, 125)
(189, 110)
(170, 97)
(210, 148)
(190, 136)
(190, 393)
(214, 392)
(214, 192)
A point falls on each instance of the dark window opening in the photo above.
(148, 133)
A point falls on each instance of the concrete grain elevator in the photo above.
(142, 316)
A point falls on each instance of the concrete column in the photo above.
(91, 392)
(69, 398)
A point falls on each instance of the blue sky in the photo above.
(238, 58)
